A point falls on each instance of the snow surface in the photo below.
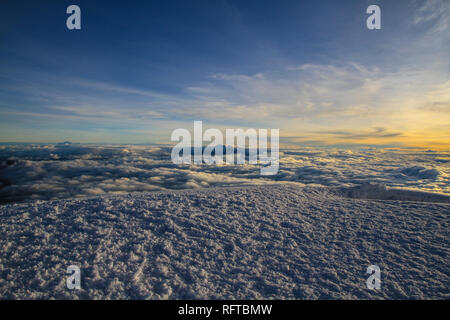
(254, 242)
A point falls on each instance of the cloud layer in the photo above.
(72, 170)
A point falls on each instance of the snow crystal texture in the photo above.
(260, 242)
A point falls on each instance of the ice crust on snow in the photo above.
(268, 242)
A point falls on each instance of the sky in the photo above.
(137, 70)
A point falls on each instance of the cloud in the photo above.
(373, 133)
(436, 12)
(60, 171)
(421, 172)
(439, 107)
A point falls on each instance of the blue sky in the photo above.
(139, 69)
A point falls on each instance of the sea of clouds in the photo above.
(66, 170)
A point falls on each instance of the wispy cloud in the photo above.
(403, 89)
